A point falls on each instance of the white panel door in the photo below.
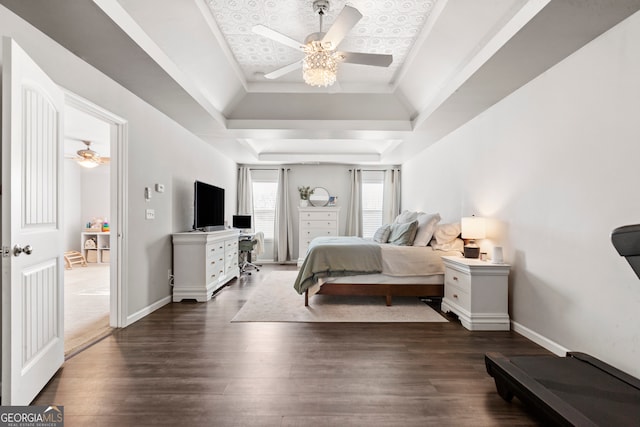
(32, 276)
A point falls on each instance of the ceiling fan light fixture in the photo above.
(319, 66)
(88, 163)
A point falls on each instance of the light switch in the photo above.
(150, 214)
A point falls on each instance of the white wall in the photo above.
(72, 210)
(158, 151)
(335, 178)
(86, 196)
(95, 194)
(555, 167)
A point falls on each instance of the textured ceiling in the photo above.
(387, 27)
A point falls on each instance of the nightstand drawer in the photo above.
(455, 278)
(457, 296)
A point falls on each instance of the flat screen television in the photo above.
(242, 222)
(208, 207)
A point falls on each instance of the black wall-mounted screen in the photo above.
(208, 206)
(242, 222)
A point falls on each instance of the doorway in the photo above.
(93, 199)
(87, 236)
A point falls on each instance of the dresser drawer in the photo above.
(312, 233)
(313, 224)
(215, 250)
(457, 296)
(318, 215)
(455, 278)
(231, 245)
(215, 269)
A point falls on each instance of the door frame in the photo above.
(118, 199)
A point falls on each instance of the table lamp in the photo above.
(473, 228)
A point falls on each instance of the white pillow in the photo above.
(426, 226)
(445, 233)
(405, 216)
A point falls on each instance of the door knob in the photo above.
(17, 250)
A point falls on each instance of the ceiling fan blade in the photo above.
(348, 18)
(278, 37)
(284, 70)
(375, 59)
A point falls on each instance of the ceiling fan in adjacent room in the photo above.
(88, 158)
(320, 63)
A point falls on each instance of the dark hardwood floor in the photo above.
(187, 365)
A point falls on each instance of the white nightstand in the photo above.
(477, 291)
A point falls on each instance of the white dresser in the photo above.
(315, 222)
(477, 291)
(203, 263)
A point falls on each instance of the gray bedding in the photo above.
(338, 256)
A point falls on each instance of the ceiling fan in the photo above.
(89, 158)
(320, 63)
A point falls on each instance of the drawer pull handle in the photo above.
(455, 296)
(455, 278)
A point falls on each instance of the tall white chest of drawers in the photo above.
(315, 222)
(203, 263)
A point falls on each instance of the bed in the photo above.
(356, 266)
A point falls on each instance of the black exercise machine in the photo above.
(576, 390)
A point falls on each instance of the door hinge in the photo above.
(5, 252)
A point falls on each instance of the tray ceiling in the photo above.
(387, 27)
(198, 62)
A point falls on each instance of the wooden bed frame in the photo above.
(386, 290)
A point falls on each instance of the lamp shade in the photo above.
(473, 227)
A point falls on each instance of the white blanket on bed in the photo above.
(412, 260)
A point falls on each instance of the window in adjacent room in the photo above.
(265, 188)
(372, 196)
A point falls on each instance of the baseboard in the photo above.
(545, 342)
(148, 310)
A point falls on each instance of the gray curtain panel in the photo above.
(245, 192)
(354, 213)
(283, 229)
(391, 197)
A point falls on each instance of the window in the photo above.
(372, 196)
(265, 189)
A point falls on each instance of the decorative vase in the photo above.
(304, 203)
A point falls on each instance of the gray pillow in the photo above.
(403, 234)
(382, 234)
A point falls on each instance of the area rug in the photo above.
(275, 300)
